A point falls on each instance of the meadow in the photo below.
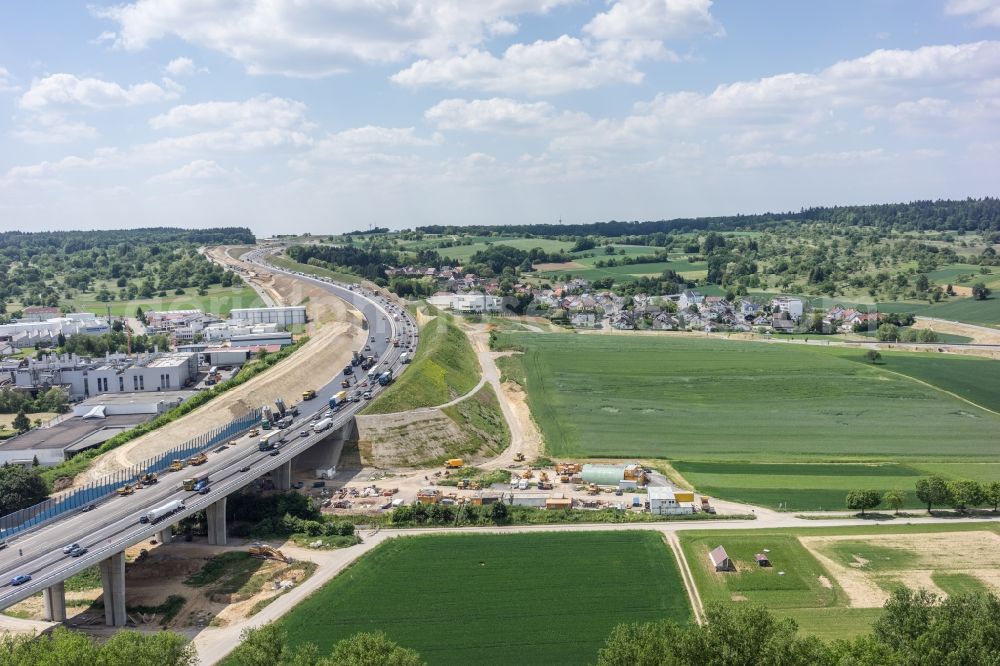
(549, 598)
(317, 271)
(217, 300)
(462, 253)
(687, 398)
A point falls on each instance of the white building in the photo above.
(147, 372)
(468, 303)
(23, 334)
(689, 298)
(226, 330)
(793, 306)
(663, 502)
(282, 316)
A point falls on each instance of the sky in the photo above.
(327, 116)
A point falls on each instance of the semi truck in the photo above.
(404, 358)
(372, 374)
(195, 483)
(322, 425)
(385, 378)
(161, 512)
(338, 399)
(267, 442)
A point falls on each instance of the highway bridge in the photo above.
(113, 525)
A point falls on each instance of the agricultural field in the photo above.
(834, 581)
(444, 367)
(462, 253)
(801, 486)
(217, 300)
(693, 399)
(477, 599)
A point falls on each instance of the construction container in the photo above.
(683, 496)
(556, 503)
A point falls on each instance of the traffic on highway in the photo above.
(43, 557)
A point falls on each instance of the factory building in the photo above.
(283, 316)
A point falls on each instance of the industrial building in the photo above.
(665, 501)
(117, 404)
(467, 303)
(222, 356)
(53, 444)
(261, 339)
(226, 330)
(625, 476)
(169, 321)
(22, 334)
(282, 316)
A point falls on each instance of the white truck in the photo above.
(322, 425)
(268, 441)
(161, 512)
(404, 358)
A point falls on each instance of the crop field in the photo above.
(548, 598)
(833, 581)
(217, 300)
(590, 272)
(689, 398)
(465, 252)
(801, 486)
(444, 367)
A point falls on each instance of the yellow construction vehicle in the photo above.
(568, 469)
(308, 395)
(253, 433)
(454, 463)
(265, 552)
(148, 478)
(518, 457)
(593, 489)
(176, 465)
(462, 484)
(199, 459)
(564, 479)
(528, 473)
(127, 489)
(475, 485)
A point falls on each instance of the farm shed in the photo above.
(603, 475)
(762, 560)
(554, 503)
(536, 500)
(720, 559)
(663, 501)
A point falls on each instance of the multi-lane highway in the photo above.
(113, 525)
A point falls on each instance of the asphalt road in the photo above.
(113, 525)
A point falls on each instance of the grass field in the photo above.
(590, 272)
(288, 264)
(949, 338)
(697, 399)
(548, 598)
(798, 486)
(217, 300)
(462, 253)
(444, 367)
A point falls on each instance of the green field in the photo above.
(217, 300)
(697, 399)
(444, 367)
(949, 338)
(590, 272)
(549, 598)
(318, 271)
(463, 253)
(975, 379)
(799, 486)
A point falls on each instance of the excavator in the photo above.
(518, 457)
(265, 552)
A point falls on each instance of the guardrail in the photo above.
(43, 512)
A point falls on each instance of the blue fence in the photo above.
(33, 516)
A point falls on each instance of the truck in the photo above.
(338, 399)
(357, 358)
(454, 463)
(266, 443)
(309, 395)
(161, 512)
(404, 358)
(176, 465)
(195, 483)
(280, 404)
(198, 459)
(285, 421)
(372, 374)
(148, 478)
(265, 418)
(322, 425)
(348, 369)
(385, 378)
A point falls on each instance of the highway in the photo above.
(113, 524)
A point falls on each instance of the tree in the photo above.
(991, 494)
(499, 513)
(860, 500)
(20, 487)
(933, 490)
(372, 649)
(887, 333)
(894, 499)
(980, 291)
(966, 494)
(265, 646)
(873, 355)
(21, 422)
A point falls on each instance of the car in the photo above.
(356, 397)
(328, 413)
(88, 507)
(245, 468)
(315, 417)
(367, 395)
(20, 580)
(304, 433)
(70, 548)
(221, 449)
(275, 452)
(204, 490)
(373, 338)
(368, 347)
(387, 339)
(78, 552)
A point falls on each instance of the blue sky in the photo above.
(332, 115)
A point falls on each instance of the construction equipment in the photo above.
(176, 465)
(198, 459)
(462, 484)
(127, 489)
(254, 432)
(454, 463)
(429, 496)
(280, 404)
(148, 478)
(568, 468)
(345, 383)
(518, 457)
(528, 473)
(593, 489)
(265, 552)
(309, 395)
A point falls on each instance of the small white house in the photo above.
(663, 502)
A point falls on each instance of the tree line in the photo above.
(961, 495)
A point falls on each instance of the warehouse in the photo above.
(283, 316)
(258, 339)
(664, 502)
(222, 356)
(146, 372)
(52, 445)
(626, 475)
(117, 404)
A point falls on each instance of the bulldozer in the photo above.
(462, 484)
(518, 457)
(176, 465)
(528, 473)
(593, 489)
(198, 459)
(127, 489)
(148, 478)
(265, 552)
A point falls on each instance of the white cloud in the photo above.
(655, 19)
(67, 91)
(6, 81)
(53, 128)
(368, 145)
(540, 68)
(182, 66)
(261, 112)
(197, 170)
(502, 115)
(316, 37)
(768, 159)
(985, 13)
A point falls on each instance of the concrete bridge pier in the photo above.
(113, 580)
(216, 514)
(165, 535)
(54, 598)
(283, 476)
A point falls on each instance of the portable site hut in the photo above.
(720, 559)
(762, 560)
